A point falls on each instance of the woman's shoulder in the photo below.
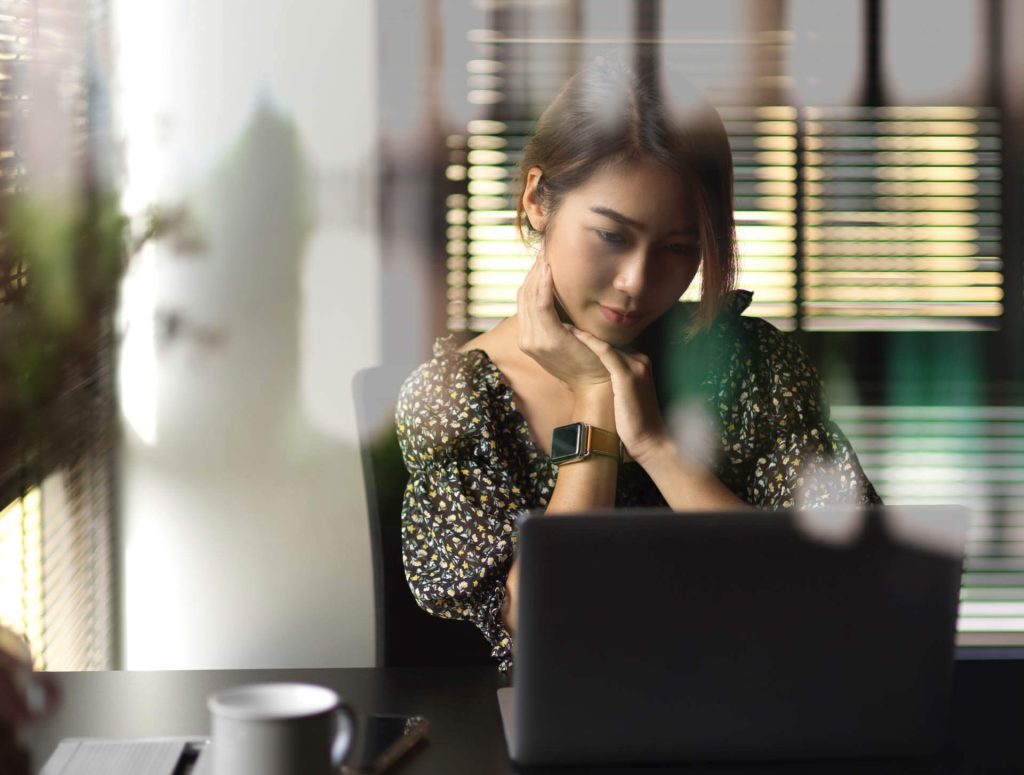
(762, 361)
(759, 342)
(454, 389)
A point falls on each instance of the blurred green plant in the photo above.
(61, 264)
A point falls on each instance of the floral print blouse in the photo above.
(474, 467)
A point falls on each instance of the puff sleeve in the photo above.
(458, 514)
(800, 457)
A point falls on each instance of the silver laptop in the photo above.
(653, 637)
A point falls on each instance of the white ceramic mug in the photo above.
(279, 729)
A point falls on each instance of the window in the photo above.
(56, 490)
(875, 204)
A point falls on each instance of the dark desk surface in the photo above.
(987, 733)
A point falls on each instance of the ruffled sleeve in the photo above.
(800, 457)
(458, 513)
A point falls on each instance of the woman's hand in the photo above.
(510, 606)
(638, 419)
(547, 340)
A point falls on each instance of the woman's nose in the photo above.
(631, 273)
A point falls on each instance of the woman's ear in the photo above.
(531, 200)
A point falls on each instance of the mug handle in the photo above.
(344, 735)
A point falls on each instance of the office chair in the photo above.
(407, 636)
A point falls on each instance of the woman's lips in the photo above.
(617, 317)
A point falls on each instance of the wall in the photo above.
(243, 534)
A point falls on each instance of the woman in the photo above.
(625, 199)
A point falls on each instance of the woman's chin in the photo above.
(617, 336)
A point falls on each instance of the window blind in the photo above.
(56, 564)
(903, 218)
(967, 455)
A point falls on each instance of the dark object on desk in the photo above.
(407, 636)
(382, 741)
(735, 637)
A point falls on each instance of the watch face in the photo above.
(566, 442)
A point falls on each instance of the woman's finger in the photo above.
(612, 359)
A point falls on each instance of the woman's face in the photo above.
(622, 248)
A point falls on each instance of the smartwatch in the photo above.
(578, 441)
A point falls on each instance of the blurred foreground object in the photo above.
(25, 697)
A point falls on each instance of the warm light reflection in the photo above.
(492, 216)
(497, 249)
(485, 97)
(493, 232)
(765, 216)
(912, 143)
(776, 112)
(777, 188)
(775, 127)
(490, 312)
(760, 248)
(926, 157)
(501, 263)
(904, 312)
(764, 234)
(487, 187)
(775, 173)
(487, 173)
(939, 205)
(775, 143)
(900, 293)
(783, 203)
(490, 279)
(775, 157)
(779, 264)
(944, 188)
(487, 142)
(487, 157)
(890, 263)
(927, 173)
(958, 112)
(891, 248)
(21, 568)
(483, 126)
(899, 218)
(480, 205)
(484, 66)
(927, 128)
(895, 233)
(923, 278)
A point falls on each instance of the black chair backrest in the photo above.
(407, 636)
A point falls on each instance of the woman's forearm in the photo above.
(685, 484)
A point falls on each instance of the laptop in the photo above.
(653, 637)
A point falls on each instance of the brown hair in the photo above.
(606, 114)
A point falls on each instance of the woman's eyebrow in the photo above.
(625, 220)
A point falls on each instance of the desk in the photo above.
(987, 733)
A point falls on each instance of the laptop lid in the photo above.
(656, 636)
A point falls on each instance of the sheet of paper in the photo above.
(88, 756)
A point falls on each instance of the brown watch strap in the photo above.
(602, 442)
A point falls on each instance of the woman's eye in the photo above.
(684, 248)
(610, 237)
